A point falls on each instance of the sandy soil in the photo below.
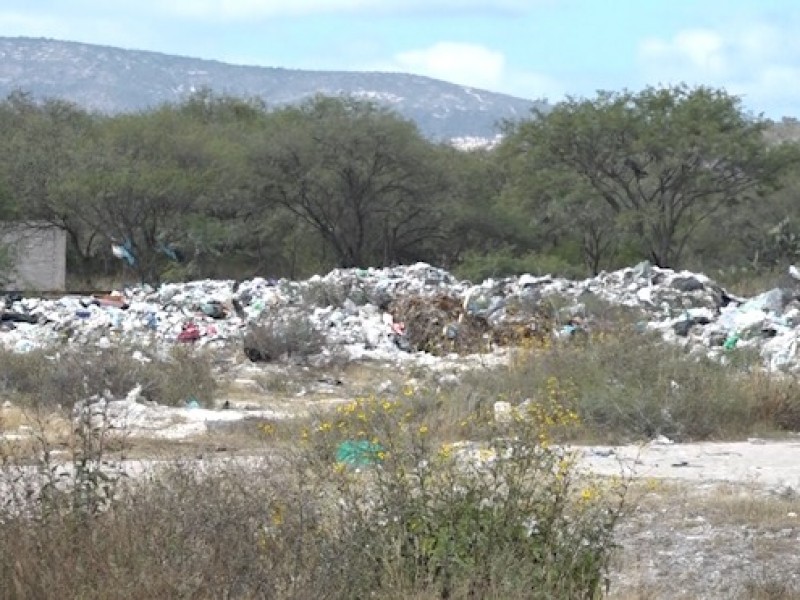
(772, 464)
(707, 520)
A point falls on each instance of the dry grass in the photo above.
(23, 431)
(751, 282)
(12, 418)
(720, 503)
(707, 541)
(629, 386)
(60, 378)
(734, 505)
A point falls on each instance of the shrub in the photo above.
(70, 375)
(628, 385)
(508, 517)
(283, 336)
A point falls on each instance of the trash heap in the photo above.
(404, 311)
(136, 416)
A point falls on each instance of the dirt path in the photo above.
(766, 463)
(707, 520)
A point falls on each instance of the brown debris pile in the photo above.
(443, 324)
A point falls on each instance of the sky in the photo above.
(534, 49)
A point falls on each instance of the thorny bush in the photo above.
(509, 517)
(63, 377)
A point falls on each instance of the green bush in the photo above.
(630, 386)
(62, 378)
(283, 336)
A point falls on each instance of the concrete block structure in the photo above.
(38, 253)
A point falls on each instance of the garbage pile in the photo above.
(403, 311)
(134, 416)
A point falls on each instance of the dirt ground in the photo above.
(713, 520)
(710, 520)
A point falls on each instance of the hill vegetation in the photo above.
(116, 80)
(219, 186)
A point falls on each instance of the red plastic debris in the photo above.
(190, 332)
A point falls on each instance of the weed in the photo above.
(508, 517)
(284, 336)
(71, 375)
(628, 386)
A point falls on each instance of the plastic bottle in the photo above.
(731, 342)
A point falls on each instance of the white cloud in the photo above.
(249, 9)
(467, 64)
(472, 65)
(758, 61)
(699, 50)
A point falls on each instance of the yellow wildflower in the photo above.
(445, 451)
(588, 494)
(277, 516)
(267, 428)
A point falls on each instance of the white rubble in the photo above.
(349, 306)
(135, 417)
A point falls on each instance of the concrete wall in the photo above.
(39, 256)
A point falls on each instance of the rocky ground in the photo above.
(708, 520)
(708, 540)
(394, 313)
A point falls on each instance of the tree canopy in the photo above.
(663, 161)
(364, 179)
(218, 186)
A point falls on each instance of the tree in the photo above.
(8, 213)
(361, 177)
(478, 224)
(141, 181)
(38, 151)
(664, 160)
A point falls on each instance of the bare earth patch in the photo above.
(708, 520)
(709, 540)
(712, 520)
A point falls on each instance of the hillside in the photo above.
(114, 80)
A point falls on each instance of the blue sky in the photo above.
(528, 48)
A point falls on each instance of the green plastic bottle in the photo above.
(731, 342)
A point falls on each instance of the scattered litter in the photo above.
(603, 452)
(730, 342)
(133, 416)
(414, 311)
(124, 252)
(15, 317)
(359, 453)
(190, 332)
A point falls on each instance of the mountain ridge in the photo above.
(110, 79)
